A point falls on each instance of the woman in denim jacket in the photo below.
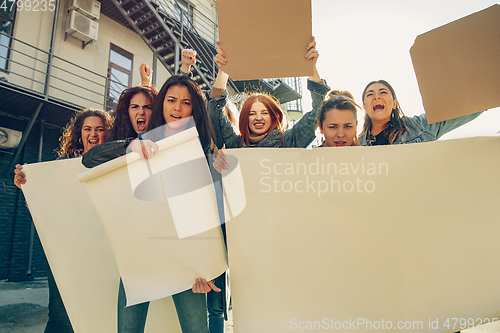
(262, 120)
(386, 124)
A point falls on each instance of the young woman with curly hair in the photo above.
(86, 129)
(132, 112)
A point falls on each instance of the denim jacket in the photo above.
(420, 131)
(299, 136)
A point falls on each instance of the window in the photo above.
(184, 12)
(119, 74)
(7, 16)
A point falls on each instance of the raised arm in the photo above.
(224, 132)
(437, 130)
(303, 132)
(223, 129)
(188, 58)
(146, 74)
(221, 80)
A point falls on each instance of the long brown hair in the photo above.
(275, 112)
(72, 132)
(200, 113)
(123, 126)
(396, 126)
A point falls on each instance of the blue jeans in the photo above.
(58, 318)
(215, 306)
(191, 310)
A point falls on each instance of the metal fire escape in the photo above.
(167, 29)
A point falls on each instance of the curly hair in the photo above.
(123, 127)
(275, 112)
(72, 132)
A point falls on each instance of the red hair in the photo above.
(272, 105)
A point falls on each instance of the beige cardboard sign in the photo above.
(458, 66)
(148, 214)
(78, 251)
(400, 238)
(265, 39)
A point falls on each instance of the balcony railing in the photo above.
(64, 80)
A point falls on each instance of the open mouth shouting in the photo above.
(139, 112)
(141, 124)
(94, 141)
(378, 107)
(93, 132)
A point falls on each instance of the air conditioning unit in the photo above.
(89, 8)
(9, 138)
(82, 27)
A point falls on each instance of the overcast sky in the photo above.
(364, 40)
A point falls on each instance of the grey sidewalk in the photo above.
(24, 307)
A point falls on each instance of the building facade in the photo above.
(74, 54)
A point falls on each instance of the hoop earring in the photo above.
(80, 140)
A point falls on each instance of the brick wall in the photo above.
(15, 219)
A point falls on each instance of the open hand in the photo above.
(220, 57)
(202, 286)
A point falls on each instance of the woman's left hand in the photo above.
(146, 75)
(220, 57)
(204, 286)
(145, 148)
(313, 54)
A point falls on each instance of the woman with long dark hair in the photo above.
(386, 124)
(179, 105)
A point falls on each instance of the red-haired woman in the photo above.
(262, 121)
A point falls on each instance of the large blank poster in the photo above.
(388, 238)
(160, 216)
(78, 251)
(265, 39)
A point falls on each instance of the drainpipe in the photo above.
(51, 50)
(155, 60)
(215, 40)
(177, 56)
(32, 231)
